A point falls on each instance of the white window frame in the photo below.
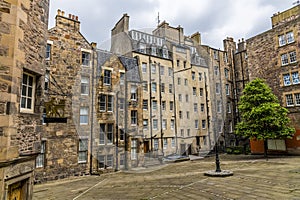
(84, 85)
(284, 59)
(172, 124)
(196, 124)
(145, 124)
(28, 108)
(297, 99)
(84, 115)
(155, 124)
(106, 78)
(154, 104)
(173, 142)
(153, 87)
(164, 124)
(165, 143)
(86, 61)
(286, 79)
(281, 40)
(289, 100)
(295, 77)
(293, 56)
(133, 117)
(144, 68)
(155, 144)
(40, 159)
(83, 150)
(290, 37)
(109, 133)
(133, 149)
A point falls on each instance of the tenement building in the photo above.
(274, 56)
(69, 97)
(175, 91)
(23, 30)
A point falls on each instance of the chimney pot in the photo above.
(73, 17)
(76, 18)
(58, 12)
(62, 13)
(70, 16)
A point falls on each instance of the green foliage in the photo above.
(262, 116)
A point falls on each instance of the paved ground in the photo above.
(254, 178)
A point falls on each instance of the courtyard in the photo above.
(254, 178)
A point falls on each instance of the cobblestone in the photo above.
(253, 178)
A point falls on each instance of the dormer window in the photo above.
(165, 52)
(153, 50)
(142, 48)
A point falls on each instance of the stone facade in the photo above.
(274, 57)
(23, 30)
(173, 75)
(70, 61)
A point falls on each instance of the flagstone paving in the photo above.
(254, 178)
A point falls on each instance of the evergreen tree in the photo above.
(262, 116)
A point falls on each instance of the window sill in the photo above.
(82, 162)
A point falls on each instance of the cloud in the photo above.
(214, 19)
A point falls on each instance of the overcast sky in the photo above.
(214, 19)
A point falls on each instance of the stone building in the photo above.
(69, 96)
(119, 111)
(23, 30)
(175, 92)
(274, 56)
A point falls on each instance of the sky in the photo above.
(214, 19)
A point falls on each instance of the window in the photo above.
(133, 117)
(84, 115)
(144, 67)
(281, 39)
(196, 124)
(284, 59)
(165, 143)
(133, 93)
(193, 76)
(145, 124)
(184, 64)
(142, 48)
(171, 105)
(290, 37)
(153, 50)
(216, 55)
(85, 58)
(188, 132)
(216, 69)
(145, 86)
(106, 103)
(47, 80)
(145, 104)
(200, 76)
(102, 102)
(170, 71)
(101, 161)
(297, 99)
(162, 70)
(180, 114)
(107, 77)
(48, 52)
(172, 124)
(165, 52)
(27, 93)
(178, 63)
(102, 134)
(194, 91)
(84, 85)
(110, 161)
(201, 92)
(289, 100)
(295, 76)
(217, 88)
(162, 87)
(40, 159)
(122, 78)
(155, 144)
(110, 133)
(229, 107)
(155, 127)
(182, 132)
(163, 105)
(121, 103)
(110, 103)
(179, 97)
(170, 88)
(286, 79)
(82, 150)
(153, 68)
(154, 105)
(164, 124)
(187, 98)
(227, 89)
(187, 114)
(293, 57)
(202, 107)
(226, 72)
(178, 80)
(153, 87)
(195, 107)
(186, 81)
(122, 159)
(133, 149)
(203, 124)
(219, 106)
(173, 143)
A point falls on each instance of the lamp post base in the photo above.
(222, 173)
